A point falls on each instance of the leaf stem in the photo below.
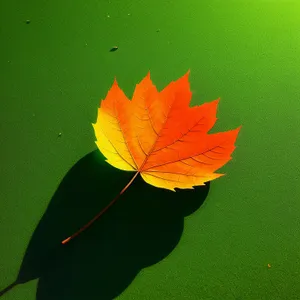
(100, 213)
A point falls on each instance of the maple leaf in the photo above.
(157, 135)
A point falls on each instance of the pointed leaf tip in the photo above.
(186, 75)
(115, 83)
(148, 76)
(238, 129)
(216, 102)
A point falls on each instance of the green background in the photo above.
(55, 70)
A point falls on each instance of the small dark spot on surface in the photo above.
(158, 30)
(28, 21)
(113, 49)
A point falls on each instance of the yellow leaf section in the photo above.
(112, 120)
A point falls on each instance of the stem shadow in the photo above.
(139, 230)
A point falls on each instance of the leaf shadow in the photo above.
(141, 229)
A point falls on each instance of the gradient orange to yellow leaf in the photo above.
(158, 135)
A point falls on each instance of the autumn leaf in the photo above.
(157, 135)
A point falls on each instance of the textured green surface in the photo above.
(55, 70)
